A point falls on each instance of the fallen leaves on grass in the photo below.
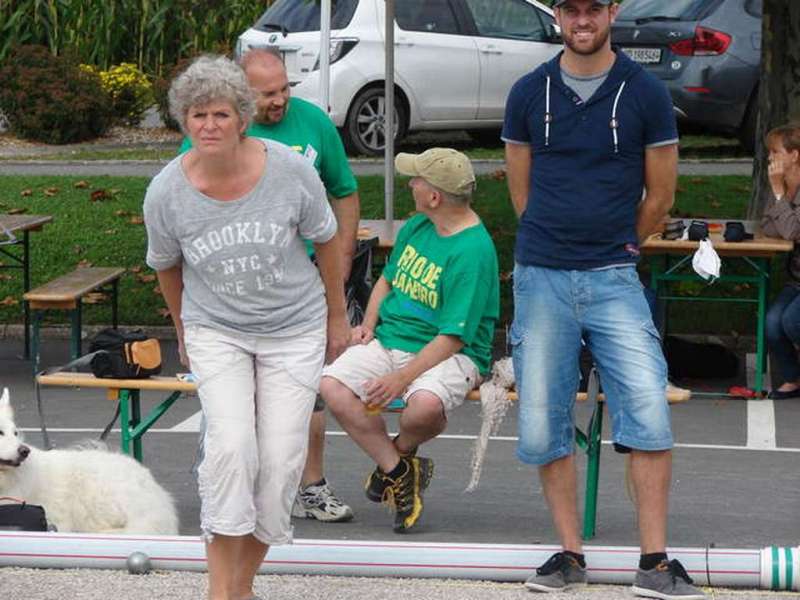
(17, 210)
(697, 180)
(110, 231)
(5, 277)
(84, 264)
(121, 213)
(51, 191)
(164, 312)
(9, 301)
(26, 192)
(99, 195)
(136, 269)
(136, 220)
(146, 278)
(157, 290)
(498, 175)
(82, 184)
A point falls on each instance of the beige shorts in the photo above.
(257, 395)
(450, 380)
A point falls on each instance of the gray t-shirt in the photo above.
(245, 267)
(584, 86)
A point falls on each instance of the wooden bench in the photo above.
(126, 391)
(66, 293)
(590, 442)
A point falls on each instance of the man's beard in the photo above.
(270, 117)
(598, 45)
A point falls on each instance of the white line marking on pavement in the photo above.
(190, 424)
(469, 438)
(761, 424)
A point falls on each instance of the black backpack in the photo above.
(21, 516)
(124, 355)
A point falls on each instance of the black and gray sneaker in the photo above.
(559, 573)
(404, 493)
(376, 485)
(668, 581)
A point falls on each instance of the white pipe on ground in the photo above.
(770, 568)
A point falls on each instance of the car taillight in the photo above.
(706, 42)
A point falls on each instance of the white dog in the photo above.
(83, 490)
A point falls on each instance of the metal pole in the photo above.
(325, 56)
(389, 123)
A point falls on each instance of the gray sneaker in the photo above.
(320, 503)
(559, 573)
(667, 581)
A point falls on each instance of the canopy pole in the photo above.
(389, 123)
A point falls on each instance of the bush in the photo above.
(130, 90)
(51, 99)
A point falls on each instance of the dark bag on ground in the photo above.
(125, 355)
(21, 516)
(699, 360)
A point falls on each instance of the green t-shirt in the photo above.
(309, 131)
(441, 286)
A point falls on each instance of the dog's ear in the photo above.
(5, 405)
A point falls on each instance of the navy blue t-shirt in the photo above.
(585, 182)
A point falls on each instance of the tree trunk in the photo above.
(779, 87)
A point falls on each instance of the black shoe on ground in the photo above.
(667, 581)
(560, 572)
(404, 493)
(376, 484)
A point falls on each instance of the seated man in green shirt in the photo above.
(427, 333)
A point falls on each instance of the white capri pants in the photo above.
(257, 395)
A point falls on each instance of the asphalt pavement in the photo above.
(735, 484)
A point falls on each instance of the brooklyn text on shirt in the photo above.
(252, 272)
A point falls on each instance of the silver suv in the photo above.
(707, 52)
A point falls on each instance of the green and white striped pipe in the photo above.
(780, 568)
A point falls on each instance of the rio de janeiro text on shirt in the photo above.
(417, 276)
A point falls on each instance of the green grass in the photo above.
(110, 154)
(102, 234)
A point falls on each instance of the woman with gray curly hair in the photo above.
(225, 224)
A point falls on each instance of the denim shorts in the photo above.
(553, 311)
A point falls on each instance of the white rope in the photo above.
(494, 405)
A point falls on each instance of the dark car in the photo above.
(707, 52)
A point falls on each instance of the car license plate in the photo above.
(644, 55)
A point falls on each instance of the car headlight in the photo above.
(339, 48)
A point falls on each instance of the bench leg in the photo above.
(75, 326)
(592, 472)
(129, 417)
(136, 418)
(34, 340)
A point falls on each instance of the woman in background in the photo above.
(782, 219)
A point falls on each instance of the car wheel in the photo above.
(747, 132)
(486, 137)
(364, 131)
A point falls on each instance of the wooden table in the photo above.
(125, 391)
(10, 225)
(368, 228)
(671, 260)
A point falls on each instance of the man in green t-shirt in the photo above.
(304, 127)
(427, 332)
